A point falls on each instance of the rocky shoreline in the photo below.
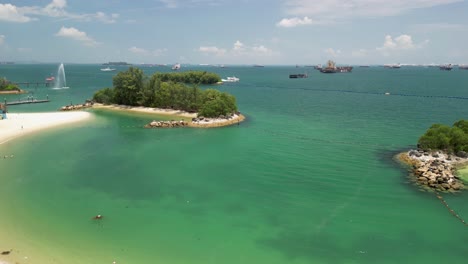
(72, 107)
(435, 171)
(166, 124)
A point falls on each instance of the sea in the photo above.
(309, 177)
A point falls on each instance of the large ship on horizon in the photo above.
(332, 68)
(446, 67)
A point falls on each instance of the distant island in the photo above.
(7, 87)
(442, 150)
(117, 63)
(169, 93)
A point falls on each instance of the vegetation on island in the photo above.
(6, 85)
(132, 88)
(450, 139)
(189, 77)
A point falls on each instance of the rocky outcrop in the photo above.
(72, 107)
(435, 171)
(166, 124)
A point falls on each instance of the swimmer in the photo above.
(97, 217)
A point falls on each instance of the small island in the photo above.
(7, 87)
(441, 152)
(175, 93)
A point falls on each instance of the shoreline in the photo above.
(20, 124)
(13, 92)
(435, 171)
(193, 122)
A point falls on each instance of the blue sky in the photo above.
(235, 31)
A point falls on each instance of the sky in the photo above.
(279, 32)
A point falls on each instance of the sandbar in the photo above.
(205, 123)
(20, 124)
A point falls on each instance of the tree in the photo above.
(128, 86)
(452, 139)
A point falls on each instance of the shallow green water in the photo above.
(308, 178)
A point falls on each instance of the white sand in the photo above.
(141, 109)
(17, 125)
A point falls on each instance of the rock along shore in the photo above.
(435, 171)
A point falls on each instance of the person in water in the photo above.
(97, 217)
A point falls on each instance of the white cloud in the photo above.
(332, 52)
(400, 43)
(336, 10)
(9, 12)
(75, 34)
(109, 19)
(56, 9)
(212, 50)
(294, 22)
(239, 46)
(2, 39)
(137, 50)
(238, 50)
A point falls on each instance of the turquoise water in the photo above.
(307, 178)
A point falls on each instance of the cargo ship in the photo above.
(332, 68)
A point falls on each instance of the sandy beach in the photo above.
(149, 110)
(20, 124)
(205, 123)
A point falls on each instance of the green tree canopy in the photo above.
(452, 139)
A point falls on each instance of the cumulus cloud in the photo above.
(400, 43)
(339, 10)
(238, 49)
(56, 9)
(294, 22)
(332, 52)
(212, 50)
(75, 34)
(10, 13)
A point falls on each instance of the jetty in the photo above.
(37, 84)
(29, 100)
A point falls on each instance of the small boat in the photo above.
(299, 75)
(259, 65)
(50, 79)
(463, 67)
(176, 67)
(230, 79)
(107, 69)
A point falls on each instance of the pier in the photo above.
(37, 84)
(29, 100)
